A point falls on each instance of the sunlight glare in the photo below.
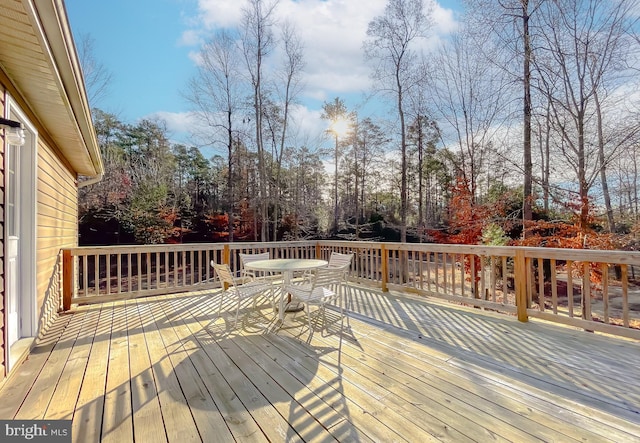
(340, 126)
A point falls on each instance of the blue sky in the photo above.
(139, 43)
(149, 46)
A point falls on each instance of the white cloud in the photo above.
(443, 20)
(332, 33)
(189, 38)
(220, 13)
(177, 122)
(309, 123)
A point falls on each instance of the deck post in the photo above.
(385, 269)
(226, 255)
(67, 279)
(226, 259)
(520, 276)
(318, 251)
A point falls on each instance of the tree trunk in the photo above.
(527, 214)
(403, 165)
(230, 179)
(582, 177)
(356, 191)
(335, 191)
(420, 184)
(603, 166)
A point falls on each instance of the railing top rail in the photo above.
(591, 255)
(115, 249)
(96, 250)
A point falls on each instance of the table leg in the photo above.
(289, 307)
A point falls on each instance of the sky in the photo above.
(150, 48)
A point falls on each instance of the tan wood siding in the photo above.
(53, 222)
(56, 227)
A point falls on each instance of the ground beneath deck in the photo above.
(398, 368)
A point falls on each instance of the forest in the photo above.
(520, 128)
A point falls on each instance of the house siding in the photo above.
(57, 228)
(40, 74)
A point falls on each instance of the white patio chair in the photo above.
(241, 292)
(246, 274)
(337, 259)
(325, 287)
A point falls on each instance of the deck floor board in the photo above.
(178, 421)
(466, 381)
(26, 373)
(398, 368)
(145, 401)
(89, 408)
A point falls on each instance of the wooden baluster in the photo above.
(554, 286)
(625, 295)
(586, 291)
(541, 284)
(570, 287)
(605, 291)
(474, 280)
(493, 278)
(85, 275)
(96, 280)
(505, 280)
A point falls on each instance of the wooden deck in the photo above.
(400, 368)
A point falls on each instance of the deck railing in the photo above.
(588, 289)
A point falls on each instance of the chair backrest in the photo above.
(224, 273)
(329, 276)
(247, 258)
(338, 260)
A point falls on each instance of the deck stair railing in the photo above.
(589, 289)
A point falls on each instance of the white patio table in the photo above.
(286, 266)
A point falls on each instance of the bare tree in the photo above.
(509, 22)
(97, 78)
(215, 93)
(257, 42)
(543, 133)
(614, 51)
(336, 113)
(307, 180)
(391, 38)
(287, 87)
(469, 95)
(580, 42)
(367, 142)
(423, 135)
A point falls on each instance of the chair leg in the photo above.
(220, 306)
(272, 296)
(345, 300)
(237, 310)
